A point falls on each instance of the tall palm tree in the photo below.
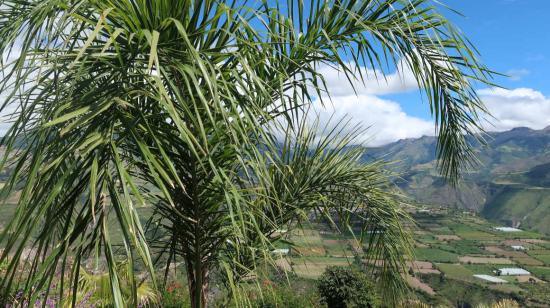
(178, 107)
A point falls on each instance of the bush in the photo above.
(345, 287)
(175, 296)
(282, 295)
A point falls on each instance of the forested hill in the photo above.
(511, 185)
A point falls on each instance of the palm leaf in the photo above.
(171, 105)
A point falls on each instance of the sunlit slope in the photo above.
(510, 185)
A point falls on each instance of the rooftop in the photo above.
(508, 229)
(510, 271)
(491, 278)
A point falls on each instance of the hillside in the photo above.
(510, 185)
(450, 248)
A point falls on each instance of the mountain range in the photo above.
(510, 185)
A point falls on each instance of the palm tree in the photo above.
(177, 108)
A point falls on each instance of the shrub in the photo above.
(282, 295)
(343, 287)
(175, 296)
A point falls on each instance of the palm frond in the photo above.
(129, 105)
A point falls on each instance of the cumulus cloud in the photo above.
(374, 82)
(385, 120)
(517, 74)
(8, 58)
(516, 107)
(388, 122)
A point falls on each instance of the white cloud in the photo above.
(516, 107)
(374, 81)
(6, 114)
(388, 122)
(385, 120)
(517, 74)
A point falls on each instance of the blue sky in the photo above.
(513, 37)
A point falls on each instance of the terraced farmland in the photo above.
(450, 248)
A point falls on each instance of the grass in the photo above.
(543, 258)
(470, 233)
(435, 255)
(463, 247)
(337, 248)
(313, 267)
(426, 239)
(442, 230)
(484, 260)
(483, 269)
(544, 245)
(540, 272)
(456, 271)
(308, 251)
(518, 235)
(543, 255)
(506, 288)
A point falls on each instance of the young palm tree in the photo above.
(172, 106)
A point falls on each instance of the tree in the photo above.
(196, 111)
(342, 287)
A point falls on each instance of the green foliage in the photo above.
(342, 287)
(542, 257)
(519, 202)
(95, 289)
(435, 255)
(283, 295)
(455, 271)
(175, 296)
(462, 247)
(539, 291)
(457, 293)
(175, 105)
(472, 232)
(540, 272)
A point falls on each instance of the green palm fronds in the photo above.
(95, 289)
(505, 303)
(175, 107)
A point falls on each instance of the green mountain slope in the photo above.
(511, 185)
(520, 205)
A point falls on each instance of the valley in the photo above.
(510, 184)
(455, 252)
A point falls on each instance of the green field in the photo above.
(462, 247)
(539, 271)
(543, 257)
(468, 232)
(441, 240)
(435, 255)
(456, 271)
(474, 237)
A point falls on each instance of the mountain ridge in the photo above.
(511, 185)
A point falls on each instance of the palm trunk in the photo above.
(197, 279)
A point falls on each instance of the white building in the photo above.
(281, 251)
(518, 247)
(508, 229)
(491, 278)
(511, 271)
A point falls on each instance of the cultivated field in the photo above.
(450, 248)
